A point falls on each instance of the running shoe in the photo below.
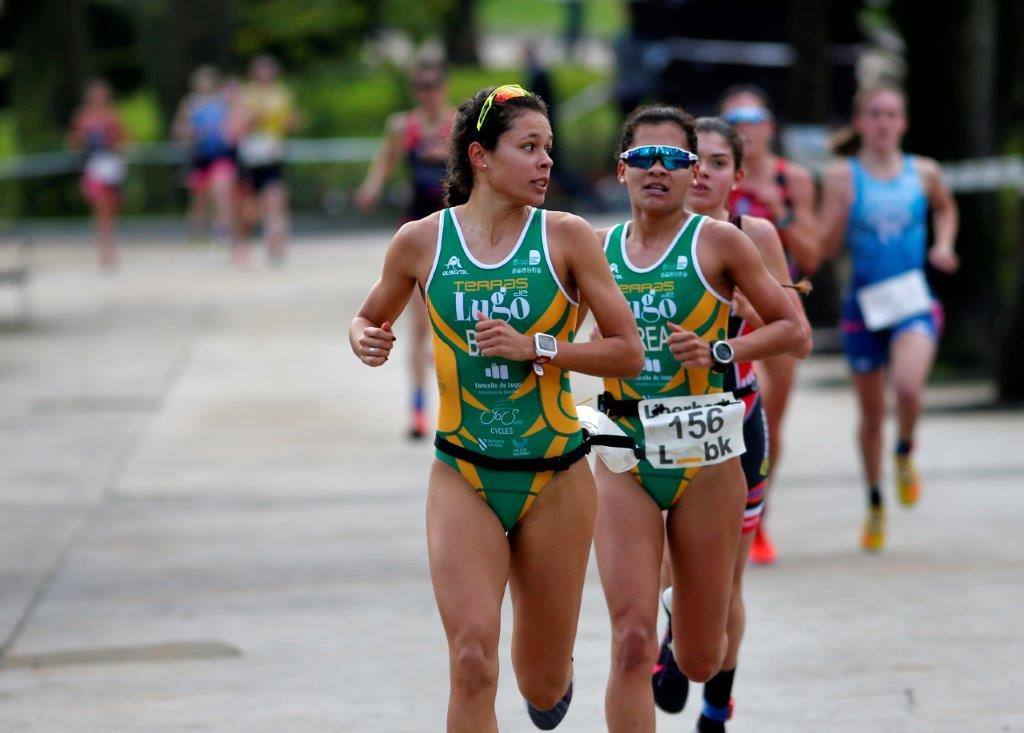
(671, 687)
(873, 538)
(550, 718)
(908, 483)
(762, 551)
(418, 427)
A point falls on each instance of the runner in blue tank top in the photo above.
(878, 203)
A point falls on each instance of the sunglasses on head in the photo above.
(747, 115)
(500, 95)
(671, 157)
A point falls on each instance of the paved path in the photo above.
(208, 522)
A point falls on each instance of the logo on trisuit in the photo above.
(534, 257)
(454, 267)
(682, 262)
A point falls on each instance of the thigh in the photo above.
(629, 538)
(910, 358)
(703, 538)
(550, 550)
(469, 558)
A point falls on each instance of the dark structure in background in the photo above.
(690, 51)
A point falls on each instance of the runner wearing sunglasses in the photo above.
(878, 202)
(721, 162)
(509, 502)
(776, 189)
(422, 137)
(678, 270)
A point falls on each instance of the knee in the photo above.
(634, 648)
(700, 666)
(543, 688)
(474, 666)
(908, 396)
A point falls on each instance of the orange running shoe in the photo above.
(762, 551)
(908, 483)
(873, 539)
(418, 426)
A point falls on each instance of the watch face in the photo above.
(546, 342)
(723, 352)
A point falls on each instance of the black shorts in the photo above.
(261, 176)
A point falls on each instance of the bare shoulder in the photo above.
(759, 229)
(928, 168)
(837, 173)
(417, 237)
(798, 174)
(568, 229)
(722, 233)
(396, 123)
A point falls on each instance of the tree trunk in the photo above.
(951, 68)
(460, 33)
(806, 90)
(1009, 373)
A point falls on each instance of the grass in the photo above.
(603, 18)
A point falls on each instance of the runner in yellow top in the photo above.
(682, 271)
(508, 502)
(270, 117)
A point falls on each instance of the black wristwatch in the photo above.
(721, 356)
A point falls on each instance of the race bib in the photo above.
(261, 149)
(107, 168)
(887, 303)
(699, 430)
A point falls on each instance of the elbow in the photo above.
(805, 341)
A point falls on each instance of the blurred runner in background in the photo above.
(269, 117)
(879, 202)
(422, 137)
(97, 132)
(202, 121)
(782, 192)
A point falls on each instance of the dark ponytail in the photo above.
(458, 180)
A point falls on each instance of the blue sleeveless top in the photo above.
(887, 231)
(209, 122)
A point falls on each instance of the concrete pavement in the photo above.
(209, 521)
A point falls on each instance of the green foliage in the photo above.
(604, 18)
(303, 30)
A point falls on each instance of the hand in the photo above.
(366, 197)
(496, 338)
(375, 344)
(770, 195)
(944, 259)
(688, 348)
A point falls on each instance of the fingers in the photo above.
(378, 333)
(675, 327)
(375, 344)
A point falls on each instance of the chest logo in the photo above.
(682, 262)
(454, 267)
(534, 257)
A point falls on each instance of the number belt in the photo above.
(614, 408)
(534, 465)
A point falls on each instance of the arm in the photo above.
(75, 134)
(619, 352)
(739, 263)
(802, 236)
(370, 334)
(766, 239)
(836, 200)
(945, 217)
(383, 165)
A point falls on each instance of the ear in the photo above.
(620, 172)
(477, 156)
(740, 175)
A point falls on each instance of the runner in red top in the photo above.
(782, 192)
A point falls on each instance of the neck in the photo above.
(656, 229)
(877, 158)
(492, 215)
(758, 163)
(718, 211)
